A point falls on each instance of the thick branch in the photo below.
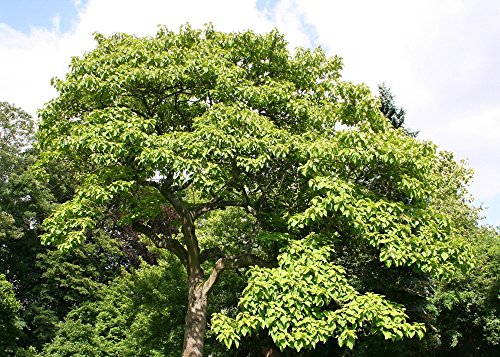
(179, 206)
(166, 243)
(243, 261)
(188, 232)
(211, 253)
(215, 204)
(185, 185)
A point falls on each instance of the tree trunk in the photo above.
(196, 319)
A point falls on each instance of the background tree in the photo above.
(18, 205)
(388, 107)
(65, 281)
(468, 306)
(10, 320)
(161, 131)
(46, 282)
(23, 201)
(138, 314)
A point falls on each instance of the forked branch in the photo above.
(235, 262)
(162, 242)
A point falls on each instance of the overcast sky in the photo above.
(441, 58)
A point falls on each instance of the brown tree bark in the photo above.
(196, 319)
(192, 258)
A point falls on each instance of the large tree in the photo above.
(162, 131)
(16, 203)
(22, 202)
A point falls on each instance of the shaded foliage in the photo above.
(140, 313)
(47, 283)
(10, 321)
(468, 307)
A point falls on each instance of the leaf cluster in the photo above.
(307, 300)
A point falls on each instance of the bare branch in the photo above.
(236, 262)
(188, 232)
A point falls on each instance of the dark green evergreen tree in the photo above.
(388, 107)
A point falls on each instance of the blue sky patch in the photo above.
(268, 8)
(25, 14)
(311, 32)
(492, 213)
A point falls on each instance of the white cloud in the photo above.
(441, 60)
(475, 135)
(142, 19)
(29, 61)
(289, 19)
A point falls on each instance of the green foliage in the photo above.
(205, 104)
(66, 280)
(378, 185)
(48, 283)
(388, 107)
(201, 120)
(138, 314)
(23, 202)
(16, 136)
(468, 306)
(80, 273)
(21, 197)
(307, 300)
(453, 197)
(233, 230)
(10, 321)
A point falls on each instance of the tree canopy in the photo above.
(160, 132)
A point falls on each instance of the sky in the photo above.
(440, 58)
